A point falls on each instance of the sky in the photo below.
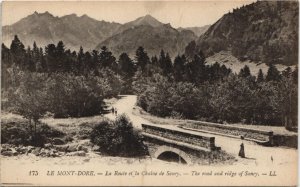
(178, 14)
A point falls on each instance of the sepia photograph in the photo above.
(149, 93)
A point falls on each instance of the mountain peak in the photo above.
(146, 20)
(85, 16)
(47, 14)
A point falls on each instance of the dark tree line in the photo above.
(194, 90)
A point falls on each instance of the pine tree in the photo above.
(51, 57)
(161, 60)
(29, 63)
(295, 75)
(141, 58)
(17, 50)
(88, 63)
(287, 72)
(36, 54)
(107, 60)
(126, 65)
(80, 58)
(43, 61)
(154, 61)
(178, 70)
(6, 56)
(195, 70)
(273, 74)
(245, 72)
(168, 65)
(190, 50)
(60, 56)
(260, 76)
(95, 59)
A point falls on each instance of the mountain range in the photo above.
(76, 31)
(262, 32)
(151, 34)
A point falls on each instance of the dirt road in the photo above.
(125, 105)
(255, 154)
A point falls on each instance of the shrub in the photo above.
(21, 133)
(118, 138)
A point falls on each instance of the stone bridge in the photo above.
(178, 145)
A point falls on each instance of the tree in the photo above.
(6, 63)
(118, 138)
(245, 72)
(190, 50)
(5, 56)
(195, 70)
(36, 55)
(17, 50)
(30, 99)
(295, 75)
(260, 76)
(95, 59)
(88, 63)
(178, 69)
(107, 60)
(154, 61)
(61, 57)
(168, 65)
(50, 54)
(141, 58)
(29, 61)
(162, 60)
(288, 96)
(273, 74)
(80, 61)
(126, 65)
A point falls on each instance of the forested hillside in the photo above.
(69, 83)
(264, 31)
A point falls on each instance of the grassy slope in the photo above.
(225, 57)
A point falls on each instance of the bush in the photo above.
(21, 133)
(118, 138)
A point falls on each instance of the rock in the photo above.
(53, 153)
(30, 148)
(60, 153)
(36, 151)
(48, 145)
(82, 148)
(5, 149)
(22, 149)
(43, 152)
(68, 139)
(76, 153)
(72, 148)
(7, 153)
(15, 153)
(58, 141)
(5, 146)
(95, 148)
(62, 148)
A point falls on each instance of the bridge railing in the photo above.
(179, 135)
(259, 136)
